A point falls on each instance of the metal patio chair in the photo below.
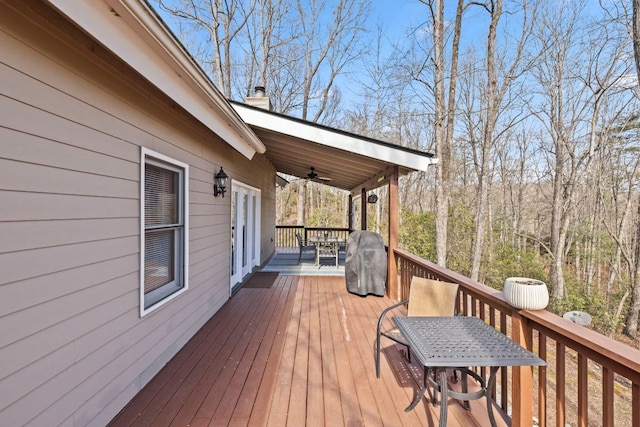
(427, 297)
(303, 247)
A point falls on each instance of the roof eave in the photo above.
(133, 32)
(405, 158)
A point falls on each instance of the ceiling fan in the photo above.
(313, 176)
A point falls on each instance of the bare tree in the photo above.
(496, 88)
(328, 47)
(427, 66)
(267, 34)
(624, 176)
(575, 82)
(221, 21)
(631, 324)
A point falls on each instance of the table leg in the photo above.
(465, 389)
(492, 377)
(443, 396)
(421, 392)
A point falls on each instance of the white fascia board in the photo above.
(337, 140)
(132, 31)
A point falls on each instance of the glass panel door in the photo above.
(245, 231)
(234, 210)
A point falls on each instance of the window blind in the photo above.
(161, 213)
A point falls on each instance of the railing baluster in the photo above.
(615, 358)
(285, 235)
(542, 381)
(607, 397)
(504, 384)
(560, 384)
(635, 404)
(583, 391)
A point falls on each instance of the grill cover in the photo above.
(365, 263)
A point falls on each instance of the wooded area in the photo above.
(531, 107)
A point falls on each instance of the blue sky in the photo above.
(396, 14)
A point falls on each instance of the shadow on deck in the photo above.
(290, 350)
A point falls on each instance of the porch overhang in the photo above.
(350, 161)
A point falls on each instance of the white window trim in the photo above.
(145, 155)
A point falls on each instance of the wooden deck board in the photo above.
(260, 410)
(298, 353)
(265, 362)
(296, 414)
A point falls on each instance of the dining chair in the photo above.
(327, 249)
(303, 247)
(427, 297)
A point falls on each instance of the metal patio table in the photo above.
(327, 247)
(461, 342)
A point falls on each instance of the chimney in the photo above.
(260, 99)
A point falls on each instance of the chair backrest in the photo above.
(429, 297)
(299, 238)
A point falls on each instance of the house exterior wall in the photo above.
(73, 347)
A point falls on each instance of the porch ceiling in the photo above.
(349, 160)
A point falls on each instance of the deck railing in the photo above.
(286, 234)
(589, 379)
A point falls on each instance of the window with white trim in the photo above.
(164, 240)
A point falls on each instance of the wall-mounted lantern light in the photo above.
(220, 185)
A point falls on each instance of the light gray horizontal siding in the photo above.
(49, 152)
(21, 206)
(52, 127)
(27, 177)
(27, 264)
(73, 349)
(21, 236)
(25, 325)
(21, 295)
(52, 351)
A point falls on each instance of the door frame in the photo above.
(245, 247)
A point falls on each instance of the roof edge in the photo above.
(143, 40)
(385, 151)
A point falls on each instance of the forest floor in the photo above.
(628, 341)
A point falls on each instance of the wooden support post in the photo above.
(350, 214)
(394, 223)
(363, 209)
(522, 391)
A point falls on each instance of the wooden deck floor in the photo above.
(295, 352)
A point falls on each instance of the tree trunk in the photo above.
(556, 240)
(631, 323)
(487, 143)
(444, 116)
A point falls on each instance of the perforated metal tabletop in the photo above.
(462, 341)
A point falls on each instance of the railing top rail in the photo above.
(479, 290)
(328, 228)
(598, 347)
